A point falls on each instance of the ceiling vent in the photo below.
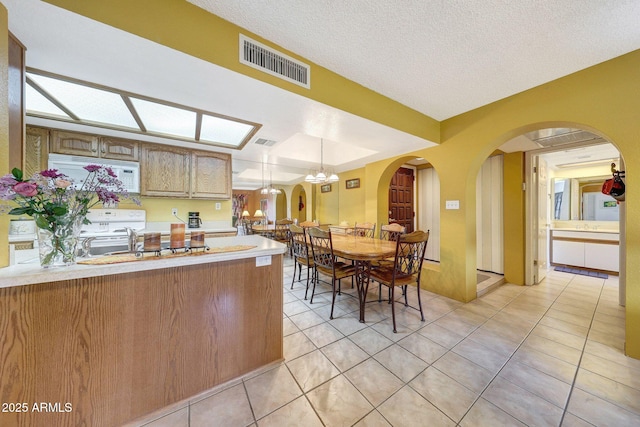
(264, 58)
(265, 142)
(560, 136)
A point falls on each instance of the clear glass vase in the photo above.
(57, 243)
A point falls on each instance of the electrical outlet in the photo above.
(174, 211)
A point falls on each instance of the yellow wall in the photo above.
(352, 201)
(513, 213)
(159, 209)
(603, 99)
(187, 28)
(4, 128)
(327, 204)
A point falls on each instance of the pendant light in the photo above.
(272, 189)
(321, 176)
(268, 189)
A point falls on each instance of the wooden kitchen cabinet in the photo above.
(77, 144)
(119, 149)
(210, 175)
(80, 144)
(16, 102)
(35, 150)
(164, 171)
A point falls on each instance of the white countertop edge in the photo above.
(32, 273)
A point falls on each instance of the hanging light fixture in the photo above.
(264, 189)
(272, 189)
(268, 189)
(321, 176)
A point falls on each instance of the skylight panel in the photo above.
(38, 104)
(223, 131)
(65, 99)
(164, 119)
(88, 103)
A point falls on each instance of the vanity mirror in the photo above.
(581, 199)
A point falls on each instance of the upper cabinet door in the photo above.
(210, 175)
(36, 150)
(77, 144)
(164, 171)
(119, 149)
(15, 103)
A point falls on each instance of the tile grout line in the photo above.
(584, 346)
(511, 356)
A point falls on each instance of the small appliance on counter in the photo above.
(22, 226)
(194, 220)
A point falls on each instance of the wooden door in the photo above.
(401, 198)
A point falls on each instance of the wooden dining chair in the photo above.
(301, 257)
(326, 263)
(365, 229)
(406, 269)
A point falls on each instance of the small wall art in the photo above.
(353, 183)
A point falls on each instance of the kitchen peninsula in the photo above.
(104, 345)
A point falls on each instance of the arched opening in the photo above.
(298, 203)
(569, 223)
(426, 199)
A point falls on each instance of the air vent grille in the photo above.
(266, 142)
(560, 136)
(263, 58)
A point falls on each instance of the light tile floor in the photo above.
(545, 355)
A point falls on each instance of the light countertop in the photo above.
(31, 273)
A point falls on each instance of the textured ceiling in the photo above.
(441, 57)
(444, 58)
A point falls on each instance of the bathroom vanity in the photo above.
(597, 250)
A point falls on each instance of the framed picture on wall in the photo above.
(325, 188)
(353, 183)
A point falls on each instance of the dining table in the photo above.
(362, 251)
(264, 229)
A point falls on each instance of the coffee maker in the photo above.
(194, 220)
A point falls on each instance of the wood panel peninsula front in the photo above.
(104, 345)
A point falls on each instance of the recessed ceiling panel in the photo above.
(307, 148)
(222, 131)
(38, 104)
(88, 103)
(165, 119)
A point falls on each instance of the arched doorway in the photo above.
(299, 203)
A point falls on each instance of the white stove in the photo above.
(107, 228)
(112, 222)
